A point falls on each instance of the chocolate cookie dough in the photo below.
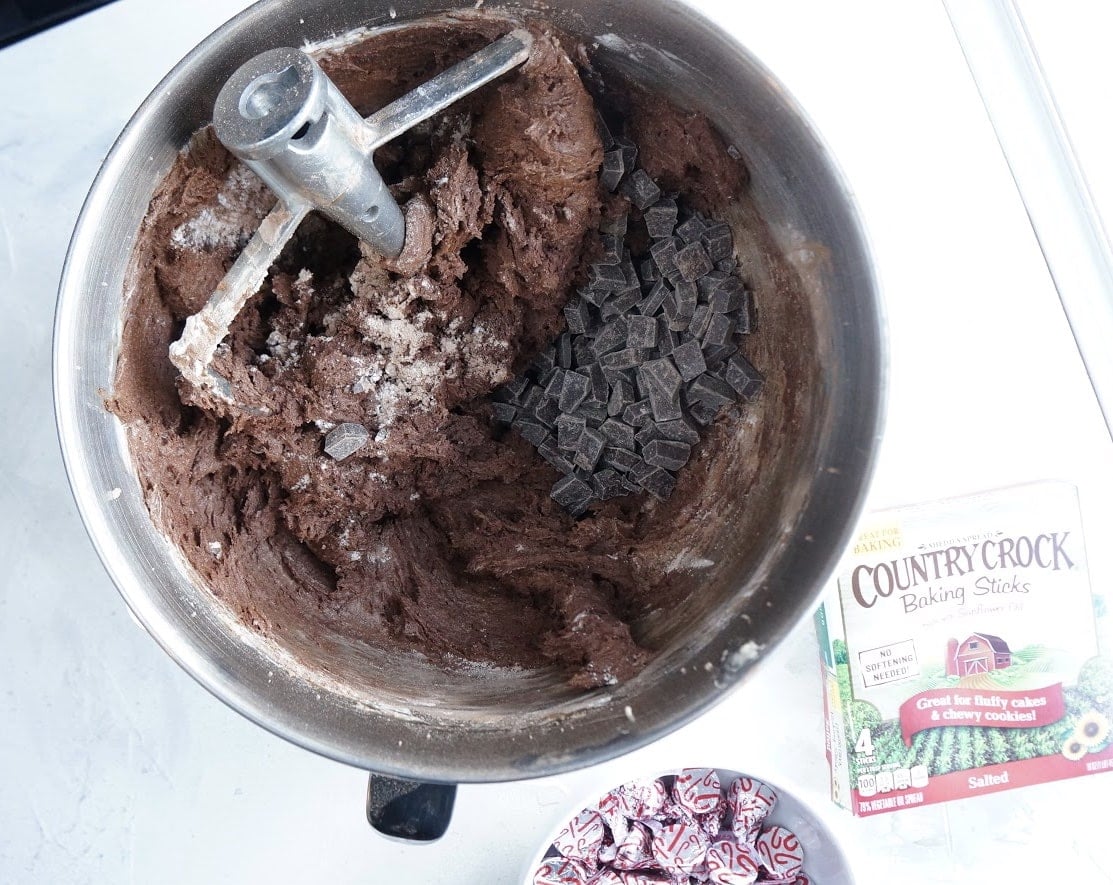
(435, 534)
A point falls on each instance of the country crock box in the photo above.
(964, 652)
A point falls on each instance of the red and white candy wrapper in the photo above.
(635, 852)
(729, 863)
(803, 879)
(561, 871)
(645, 798)
(698, 790)
(780, 853)
(616, 808)
(750, 802)
(582, 838)
(632, 877)
(680, 847)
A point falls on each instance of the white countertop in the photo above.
(116, 767)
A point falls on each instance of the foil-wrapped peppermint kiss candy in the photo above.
(698, 790)
(635, 852)
(561, 871)
(680, 847)
(729, 863)
(750, 802)
(645, 798)
(581, 838)
(780, 853)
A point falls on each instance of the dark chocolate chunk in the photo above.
(591, 445)
(719, 330)
(569, 430)
(549, 451)
(616, 225)
(719, 241)
(630, 272)
(573, 494)
(613, 376)
(660, 218)
(703, 413)
(594, 295)
(627, 358)
(685, 295)
(716, 355)
(691, 230)
(667, 453)
(583, 354)
(573, 391)
(577, 314)
(711, 390)
(689, 360)
(727, 296)
(556, 382)
(544, 360)
(605, 134)
(652, 302)
(613, 169)
(612, 250)
(534, 395)
(503, 413)
(622, 395)
(600, 389)
(667, 339)
(516, 387)
(640, 189)
(606, 278)
(647, 272)
(646, 435)
(641, 332)
(664, 256)
(595, 413)
(638, 414)
(681, 430)
(611, 337)
(659, 483)
(547, 411)
(531, 430)
(743, 377)
(640, 469)
(608, 484)
(619, 459)
(564, 350)
(661, 383)
(692, 262)
(727, 265)
(709, 284)
(621, 302)
(629, 151)
(700, 320)
(618, 434)
(676, 322)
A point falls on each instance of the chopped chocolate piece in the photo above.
(569, 430)
(613, 376)
(646, 435)
(595, 413)
(719, 330)
(516, 387)
(660, 218)
(608, 484)
(728, 296)
(606, 278)
(664, 256)
(549, 451)
(711, 390)
(533, 396)
(641, 332)
(582, 352)
(676, 322)
(709, 284)
(544, 360)
(700, 320)
(564, 350)
(653, 301)
(743, 377)
(681, 430)
(547, 411)
(661, 382)
(640, 469)
(685, 295)
(618, 434)
(659, 483)
(638, 414)
(574, 391)
(630, 272)
(600, 389)
(640, 189)
(612, 250)
(667, 453)
(692, 262)
(622, 395)
(503, 413)
(591, 445)
(556, 382)
(577, 314)
(572, 493)
(667, 339)
(647, 271)
(345, 439)
(691, 230)
(632, 487)
(531, 430)
(689, 360)
(627, 358)
(621, 302)
(718, 354)
(619, 459)
(727, 265)
(611, 337)
(613, 170)
(703, 413)
(616, 225)
(719, 241)
(605, 134)
(629, 152)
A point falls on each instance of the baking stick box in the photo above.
(961, 653)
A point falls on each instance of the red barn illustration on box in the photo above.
(979, 653)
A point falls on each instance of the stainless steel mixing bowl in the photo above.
(797, 486)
